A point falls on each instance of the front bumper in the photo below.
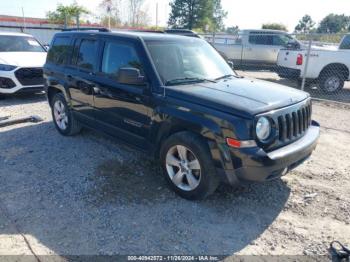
(258, 165)
(17, 87)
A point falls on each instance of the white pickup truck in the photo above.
(253, 48)
(328, 66)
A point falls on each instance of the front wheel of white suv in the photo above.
(62, 116)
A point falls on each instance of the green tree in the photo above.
(232, 29)
(110, 13)
(333, 23)
(68, 11)
(274, 26)
(305, 25)
(202, 14)
(218, 16)
(105, 20)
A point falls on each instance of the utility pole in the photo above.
(78, 20)
(65, 20)
(24, 20)
(157, 15)
(109, 9)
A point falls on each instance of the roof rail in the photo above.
(99, 29)
(145, 31)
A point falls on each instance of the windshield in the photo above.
(12, 43)
(185, 61)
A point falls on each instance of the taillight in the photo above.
(299, 59)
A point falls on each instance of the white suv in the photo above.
(21, 60)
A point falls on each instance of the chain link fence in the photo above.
(316, 63)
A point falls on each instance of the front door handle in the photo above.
(69, 78)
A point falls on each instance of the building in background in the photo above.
(40, 28)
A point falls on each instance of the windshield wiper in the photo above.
(185, 80)
(227, 76)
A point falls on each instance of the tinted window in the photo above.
(11, 43)
(345, 43)
(260, 39)
(59, 50)
(87, 54)
(116, 56)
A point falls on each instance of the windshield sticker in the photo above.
(33, 42)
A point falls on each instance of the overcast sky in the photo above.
(246, 14)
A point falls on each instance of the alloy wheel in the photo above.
(60, 114)
(183, 168)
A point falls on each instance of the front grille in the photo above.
(289, 124)
(30, 76)
(294, 124)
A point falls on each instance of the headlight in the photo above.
(263, 128)
(7, 67)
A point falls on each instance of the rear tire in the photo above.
(331, 82)
(62, 116)
(188, 167)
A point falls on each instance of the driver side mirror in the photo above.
(130, 76)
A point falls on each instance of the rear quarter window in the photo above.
(59, 50)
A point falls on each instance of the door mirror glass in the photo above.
(130, 76)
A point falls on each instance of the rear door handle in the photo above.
(69, 77)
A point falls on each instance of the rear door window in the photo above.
(59, 51)
(86, 56)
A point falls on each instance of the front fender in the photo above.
(169, 120)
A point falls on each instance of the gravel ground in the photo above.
(90, 195)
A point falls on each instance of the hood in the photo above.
(23, 59)
(241, 95)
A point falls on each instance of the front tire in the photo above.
(188, 166)
(331, 82)
(62, 116)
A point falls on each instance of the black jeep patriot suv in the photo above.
(176, 98)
